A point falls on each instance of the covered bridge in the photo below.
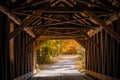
(26, 24)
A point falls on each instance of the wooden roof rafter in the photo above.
(26, 23)
(83, 21)
(53, 19)
(48, 21)
(88, 37)
(63, 34)
(63, 14)
(36, 21)
(76, 17)
(44, 37)
(104, 25)
(73, 2)
(57, 32)
(16, 20)
(95, 4)
(55, 2)
(56, 12)
(62, 31)
(59, 21)
(81, 14)
(61, 2)
(101, 23)
(30, 4)
(75, 20)
(68, 3)
(62, 23)
(37, 36)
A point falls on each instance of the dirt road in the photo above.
(63, 70)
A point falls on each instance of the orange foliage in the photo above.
(72, 50)
(70, 46)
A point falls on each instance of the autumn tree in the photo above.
(52, 48)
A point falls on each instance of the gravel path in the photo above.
(63, 70)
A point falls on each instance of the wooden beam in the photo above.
(61, 26)
(67, 21)
(50, 18)
(29, 32)
(115, 16)
(64, 28)
(31, 4)
(63, 22)
(11, 16)
(26, 23)
(61, 37)
(55, 10)
(28, 14)
(73, 12)
(103, 25)
(54, 34)
(99, 75)
(94, 31)
(99, 5)
(108, 22)
(11, 50)
(16, 20)
(21, 13)
(61, 33)
(37, 37)
(75, 35)
(65, 10)
(60, 12)
(100, 22)
(58, 32)
(88, 37)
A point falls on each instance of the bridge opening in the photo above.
(60, 59)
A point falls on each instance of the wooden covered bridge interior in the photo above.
(26, 24)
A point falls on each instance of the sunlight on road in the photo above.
(66, 66)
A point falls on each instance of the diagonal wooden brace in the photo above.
(103, 25)
(88, 37)
(15, 19)
(37, 37)
(25, 23)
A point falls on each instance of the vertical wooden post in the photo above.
(4, 48)
(11, 47)
(22, 52)
(118, 55)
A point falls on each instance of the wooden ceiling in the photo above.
(61, 19)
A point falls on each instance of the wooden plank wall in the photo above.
(106, 58)
(23, 56)
(19, 61)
